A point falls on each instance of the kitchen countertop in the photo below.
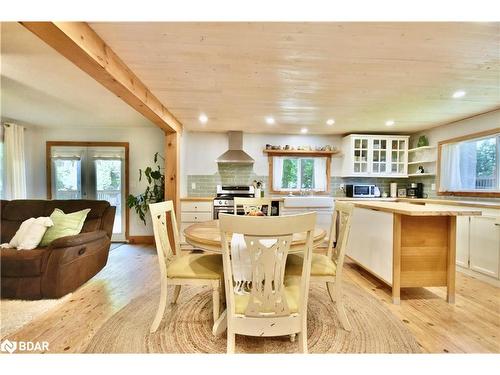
(467, 203)
(197, 199)
(405, 208)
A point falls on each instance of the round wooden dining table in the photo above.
(206, 236)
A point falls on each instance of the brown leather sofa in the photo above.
(67, 263)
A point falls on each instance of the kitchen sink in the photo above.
(308, 201)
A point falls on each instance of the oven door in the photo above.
(223, 210)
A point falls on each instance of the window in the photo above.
(299, 173)
(470, 166)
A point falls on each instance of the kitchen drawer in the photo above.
(194, 217)
(196, 206)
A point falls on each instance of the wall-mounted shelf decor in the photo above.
(420, 174)
(421, 148)
(300, 152)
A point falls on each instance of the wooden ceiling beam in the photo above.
(79, 43)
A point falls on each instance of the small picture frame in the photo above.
(401, 193)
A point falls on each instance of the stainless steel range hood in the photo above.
(235, 154)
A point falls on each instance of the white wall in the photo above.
(200, 149)
(143, 143)
(487, 121)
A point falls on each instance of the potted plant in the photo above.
(155, 191)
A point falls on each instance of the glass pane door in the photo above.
(398, 160)
(96, 173)
(109, 176)
(379, 156)
(360, 155)
(67, 179)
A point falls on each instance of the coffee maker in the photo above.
(415, 190)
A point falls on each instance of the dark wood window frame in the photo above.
(482, 194)
(48, 169)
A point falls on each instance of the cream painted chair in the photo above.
(274, 306)
(328, 268)
(250, 204)
(177, 269)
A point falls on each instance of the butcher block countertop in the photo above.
(454, 202)
(410, 209)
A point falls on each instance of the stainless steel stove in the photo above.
(224, 201)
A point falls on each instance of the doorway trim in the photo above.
(48, 169)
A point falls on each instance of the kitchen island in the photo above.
(405, 244)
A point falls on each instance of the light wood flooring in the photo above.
(471, 325)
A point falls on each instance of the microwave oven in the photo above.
(361, 191)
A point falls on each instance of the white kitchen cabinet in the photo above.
(478, 244)
(370, 241)
(463, 240)
(323, 217)
(485, 245)
(194, 211)
(375, 156)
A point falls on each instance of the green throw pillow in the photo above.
(64, 225)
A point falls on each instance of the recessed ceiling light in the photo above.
(303, 130)
(459, 94)
(270, 120)
(330, 121)
(203, 118)
(389, 123)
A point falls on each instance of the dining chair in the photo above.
(273, 306)
(328, 268)
(252, 204)
(181, 269)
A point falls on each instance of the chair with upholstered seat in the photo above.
(273, 305)
(252, 205)
(328, 268)
(177, 269)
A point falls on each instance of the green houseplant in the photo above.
(155, 191)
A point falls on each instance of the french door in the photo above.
(91, 172)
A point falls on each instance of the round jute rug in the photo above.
(187, 327)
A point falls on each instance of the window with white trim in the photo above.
(471, 165)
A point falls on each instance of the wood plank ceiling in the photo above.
(360, 74)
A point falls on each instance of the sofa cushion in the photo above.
(8, 229)
(20, 210)
(20, 263)
(97, 208)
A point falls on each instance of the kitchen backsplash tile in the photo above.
(228, 174)
(238, 174)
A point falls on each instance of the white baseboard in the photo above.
(479, 276)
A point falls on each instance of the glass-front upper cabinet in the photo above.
(375, 155)
(399, 156)
(379, 155)
(360, 155)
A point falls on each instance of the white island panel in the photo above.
(370, 241)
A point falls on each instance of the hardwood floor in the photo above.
(471, 325)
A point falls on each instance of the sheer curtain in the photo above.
(15, 163)
(458, 167)
(320, 174)
(277, 172)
